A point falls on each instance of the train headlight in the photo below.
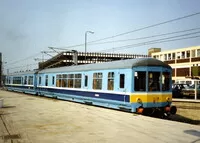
(167, 99)
(138, 100)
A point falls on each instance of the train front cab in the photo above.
(152, 90)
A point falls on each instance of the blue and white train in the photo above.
(140, 85)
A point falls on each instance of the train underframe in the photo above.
(162, 111)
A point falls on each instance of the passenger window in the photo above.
(166, 81)
(30, 80)
(154, 81)
(77, 81)
(46, 80)
(58, 80)
(70, 80)
(63, 80)
(122, 80)
(40, 80)
(25, 80)
(110, 81)
(140, 81)
(53, 80)
(86, 80)
(97, 80)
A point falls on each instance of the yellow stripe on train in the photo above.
(150, 97)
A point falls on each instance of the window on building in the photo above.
(122, 81)
(188, 54)
(140, 81)
(165, 56)
(154, 81)
(46, 80)
(183, 55)
(178, 55)
(173, 56)
(97, 80)
(86, 81)
(166, 81)
(193, 53)
(198, 52)
(169, 56)
(110, 81)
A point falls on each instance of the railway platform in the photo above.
(186, 100)
(32, 119)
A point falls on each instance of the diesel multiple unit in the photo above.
(141, 85)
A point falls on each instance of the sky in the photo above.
(28, 27)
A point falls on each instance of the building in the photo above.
(68, 58)
(185, 62)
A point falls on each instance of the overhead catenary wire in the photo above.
(21, 60)
(162, 40)
(139, 29)
(146, 27)
(147, 37)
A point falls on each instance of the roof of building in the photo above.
(121, 64)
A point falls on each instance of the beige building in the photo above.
(185, 62)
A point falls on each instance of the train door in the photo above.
(121, 82)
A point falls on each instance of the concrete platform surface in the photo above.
(31, 119)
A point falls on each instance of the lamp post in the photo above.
(91, 32)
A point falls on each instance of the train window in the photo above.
(25, 80)
(166, 81)
(154, 81)
(30, 80)
(140, 81)
(86, 80)
(46, 80)
(122, 80)
(58, 80)
(53, 80)
(40, 80)
(78, 75)
(70, 80)
(9, 80)
(64, 82)
(97, 80)
(70, 76)
(77, 81)
(22, 79)
(16, 80)
(110, 81)
(70, 83)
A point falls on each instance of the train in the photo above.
(141, 85)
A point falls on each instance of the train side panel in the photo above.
(22, 82)
(116, 97)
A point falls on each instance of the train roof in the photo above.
(121, 64)
(22, 73)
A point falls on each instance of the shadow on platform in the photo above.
(183, 119)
